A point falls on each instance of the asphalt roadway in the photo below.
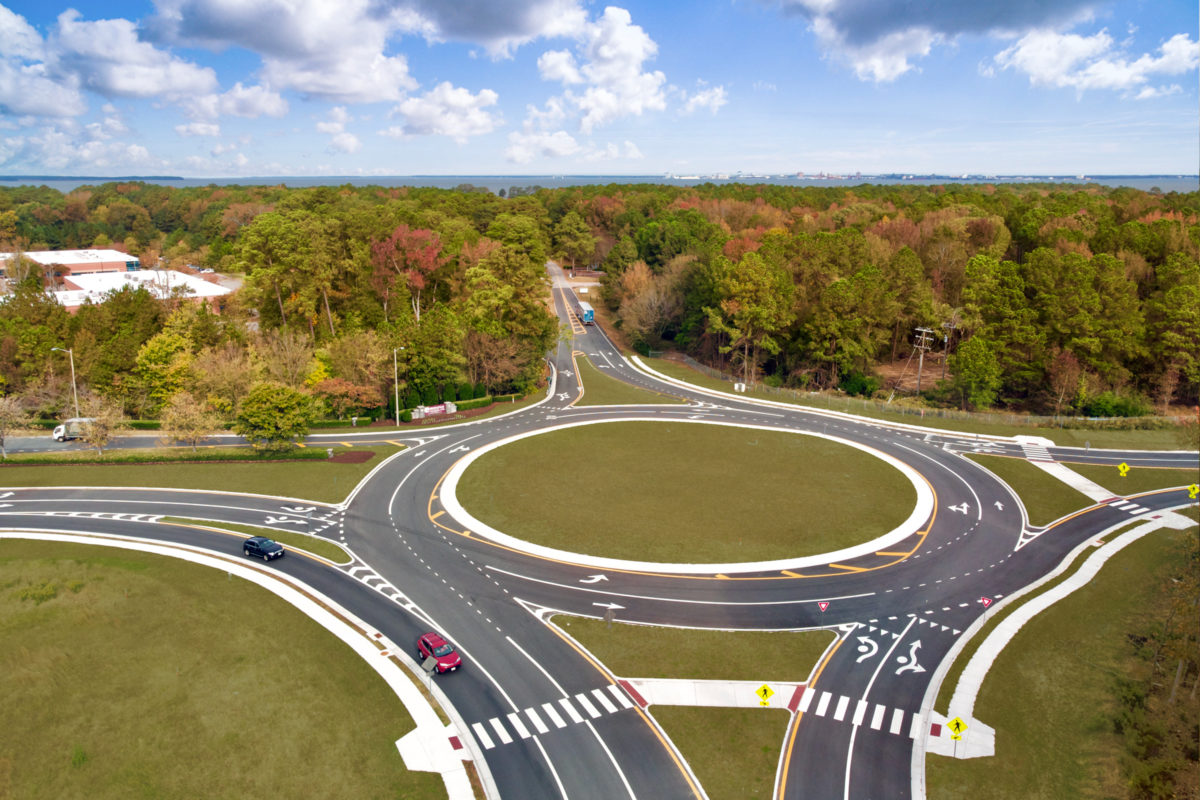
(897, 612)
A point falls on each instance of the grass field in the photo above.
(1137, 480)
(300, 541)
(645, 651)
(1066, 437)
(686, 493)
(130, 675)
(601, 390)
(1045, 498)
(1049, 695)
(321, 480)
(734, 752)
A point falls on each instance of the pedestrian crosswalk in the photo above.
(537, 720)
(859, 713)
(1128, 507)
(1036, 452)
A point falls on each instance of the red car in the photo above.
(432, 644)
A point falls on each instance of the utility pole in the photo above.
(396, 383)
(949, 327)
(74, 391)
(923, 342)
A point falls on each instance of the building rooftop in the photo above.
(95, 285)
(68, 257)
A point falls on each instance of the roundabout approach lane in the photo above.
(550, 722)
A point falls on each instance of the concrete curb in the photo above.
(428, 747)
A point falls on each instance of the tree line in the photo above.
(1064, 299)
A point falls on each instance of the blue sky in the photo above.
(226, 88)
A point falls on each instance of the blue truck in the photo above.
(584, 311)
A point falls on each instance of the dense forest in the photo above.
(1065, 300)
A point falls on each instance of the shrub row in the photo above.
(117, 457)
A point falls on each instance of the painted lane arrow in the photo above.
(610, 606)
(593, 579)
(299, 509)
(274, 520)
(462, 448)
(999, 506)
(962, 509)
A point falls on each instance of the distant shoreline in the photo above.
(1183, 183)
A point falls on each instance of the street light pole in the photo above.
(396, 383)
(75, 392)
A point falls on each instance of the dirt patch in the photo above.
(352, 456)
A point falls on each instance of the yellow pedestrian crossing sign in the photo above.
(765, 693)
(957, 727)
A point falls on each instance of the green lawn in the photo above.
(1049, 695)
(321, 480)
(686, 493)
(1045, 498)
(734, 752)
(130, 675)
(1137, 480)
(1066, 437)
(602, 390)
(300, 541)
(645, 651)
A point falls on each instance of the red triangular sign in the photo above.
(824, 604)
(987, 601)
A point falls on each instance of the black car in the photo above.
(262, 547)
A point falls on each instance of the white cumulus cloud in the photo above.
(526, 145)
(198, 129)
(711, 98)
(447, 110)
(1093, 63)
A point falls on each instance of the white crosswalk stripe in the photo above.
(840, 712)
(604, 701)
(536, 720)
(536, 717)
(575, 716)
(519, 726)
(587, 705)
(500, 730)
(877, 717)
(823, 703)
(558, 721)
(482, 735)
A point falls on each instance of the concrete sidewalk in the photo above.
(723, 694)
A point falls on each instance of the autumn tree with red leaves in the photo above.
(413, 254)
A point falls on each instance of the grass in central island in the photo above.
(130, 675)
(685, 492)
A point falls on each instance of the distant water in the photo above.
(494, 183)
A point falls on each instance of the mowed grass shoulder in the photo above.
(322, 480)
(133, 675)
(1050, 694)
(1155, 439)
(734, 752)
(685, 492)
(600, 389)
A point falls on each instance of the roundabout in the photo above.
(689, 518)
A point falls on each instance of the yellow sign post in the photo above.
(764, 692)
(957, 728)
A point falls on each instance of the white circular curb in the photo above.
(920, 513)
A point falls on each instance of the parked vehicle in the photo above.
(432, 644)
(73, 428)
(262, 547)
